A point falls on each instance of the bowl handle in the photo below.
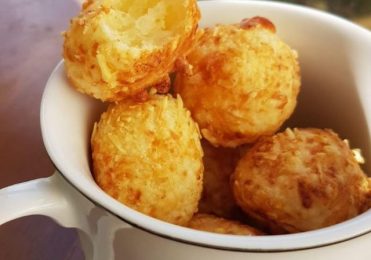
(56, 198)
(37, 197)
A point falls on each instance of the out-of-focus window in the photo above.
(358, 11)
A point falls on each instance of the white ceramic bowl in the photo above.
(335, 58)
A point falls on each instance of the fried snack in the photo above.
(241, 83)
(149, 157)
(300, 180)
(116, 49)
(368, 203)
(210, 223)
(217, 197)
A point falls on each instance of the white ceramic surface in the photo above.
(335, 58)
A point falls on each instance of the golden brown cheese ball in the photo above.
(241, 83)
(368, 205)
(217, 197)
(149, 157)
(210, 223)
(115, 49)
(300, 180)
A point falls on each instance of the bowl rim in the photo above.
(341, 232)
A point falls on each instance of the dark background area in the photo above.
(347, 8)
(358, 11)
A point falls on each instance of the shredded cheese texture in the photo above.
(116, 49)
(149, 157)
(300, 180)
(242, 83)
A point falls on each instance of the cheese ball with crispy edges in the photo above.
(300, 180)
(149, 157)
(116, 49)
(210, 223)
(241, 83)
(217, 197)
(368, 204)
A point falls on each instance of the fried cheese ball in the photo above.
(149, 157)
(210, 223)
(300, 180)
(217, 197)
(242, 82)
(368, 205)
(116, 49)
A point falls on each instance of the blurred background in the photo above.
(358, 11)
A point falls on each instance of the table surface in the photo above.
(30, 48)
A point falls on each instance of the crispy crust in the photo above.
(149, 157)
(241, 83)
(210, 223)
(368, 202)
(116, 49)
(217, 197)
(299, 180)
